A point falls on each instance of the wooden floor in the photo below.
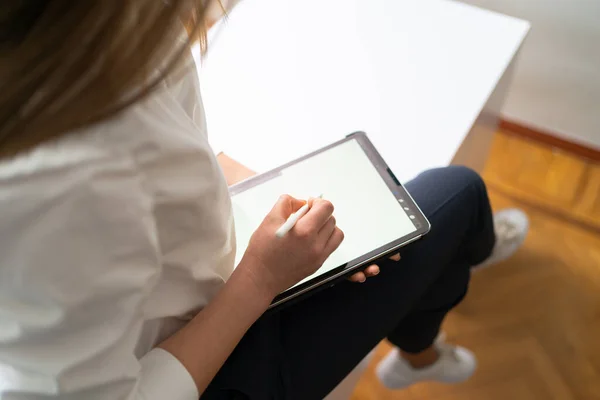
(553, 180)
(533, 321)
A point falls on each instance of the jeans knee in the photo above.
(435, 187)
(466, 175)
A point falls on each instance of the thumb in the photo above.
(287, 205)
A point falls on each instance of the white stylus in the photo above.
(291, 221)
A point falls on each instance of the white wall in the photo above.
(557, 81)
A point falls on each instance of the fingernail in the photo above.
(376, 272)
(363, 280)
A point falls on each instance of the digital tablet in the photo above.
(376, 213)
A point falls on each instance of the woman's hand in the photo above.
(275, 264)
(235, 172)
(370, 271)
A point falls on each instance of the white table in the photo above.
(424, 78)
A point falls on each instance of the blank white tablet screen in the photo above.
(365, 208)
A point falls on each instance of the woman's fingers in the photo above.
(362, 276)
(358, 277)
(334, 241)
(327, 229)
(371, 270)
(285, 206)
(318, 214)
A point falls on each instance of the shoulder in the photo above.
(80, 192)
(68, 184)
(74, 221)
(77, 160)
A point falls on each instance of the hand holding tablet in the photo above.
(360, 277)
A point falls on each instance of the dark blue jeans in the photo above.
(306, 349)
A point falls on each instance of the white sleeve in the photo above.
(76, 270)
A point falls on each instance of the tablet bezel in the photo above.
(421, 223)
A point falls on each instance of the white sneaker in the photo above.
(455, 364)
(511, 226)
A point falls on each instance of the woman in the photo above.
(117, 278)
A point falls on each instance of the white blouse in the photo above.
(110, 240)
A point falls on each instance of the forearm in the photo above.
(204, 344)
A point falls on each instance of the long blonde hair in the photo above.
(65, 64)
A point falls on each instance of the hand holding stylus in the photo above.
(292, 219)
(277, 263)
